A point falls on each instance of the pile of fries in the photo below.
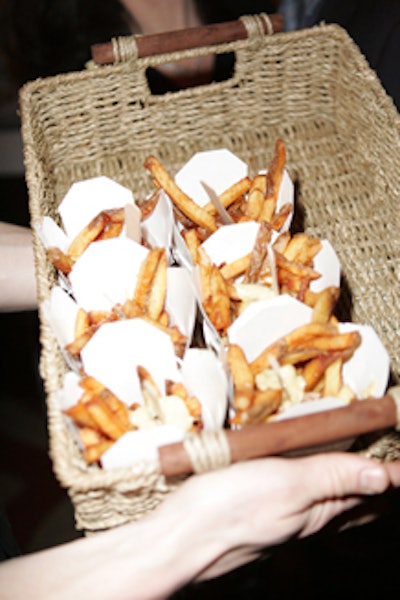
(304, 364)
(147, 303)
(102, 418)
(246, 200)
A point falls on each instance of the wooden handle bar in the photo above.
(297, 433)
(184, 39)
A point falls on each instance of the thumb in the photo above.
(338, 475)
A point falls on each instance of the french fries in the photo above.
(246, 199)
(107, 224)
(308, 360)
(102, 418)
(186, 205)
(307, 363)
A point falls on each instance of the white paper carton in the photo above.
(86, 199)
(83, 202)
(366, 373)
(112, 357)
(218, 168)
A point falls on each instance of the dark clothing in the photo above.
(375, 27)
(8, 545)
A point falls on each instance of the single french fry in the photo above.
(91, 384)
(230, 195)
(62, 262)
(110, 230)
(217, 304)
(198, 215)
(75, 347)
(258, 253)
(147, 206)
(115, 215)
(92, 454)
(316, 368)
(243, 379)
(192, 242)
(331, 343)
(79, 413)
(268, 210)
(254, 204)
(275, 170)
(302, 248)
(82, 322)
(158, 290)
(324, 305)
(96, 317)
(235, 268)
(118, 407)
(265, 404)
(194, 406)
(281, 242)
(174, 388)
(129, 310)
(106, 421)
(86, 236)
(151, 394)
(145, 276)
(163, 319)
(90, 436)
(280, 217)
(333, 379)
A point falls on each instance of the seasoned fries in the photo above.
(308, 360)
(102, 418)
(242, 251)
(186, 205)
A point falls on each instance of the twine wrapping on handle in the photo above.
(208, 451)
(124, 48)
(254, 25)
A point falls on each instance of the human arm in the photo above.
(17, 274)
(211, 524)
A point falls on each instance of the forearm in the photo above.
(148, 559)
(17, 274)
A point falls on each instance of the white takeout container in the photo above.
(366, 372)
(85, 200)
(112, 356)
(218, 169)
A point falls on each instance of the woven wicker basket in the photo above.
(312, 88)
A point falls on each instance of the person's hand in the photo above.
(253, 505)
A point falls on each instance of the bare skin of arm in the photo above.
(210, 525)
(17, 274)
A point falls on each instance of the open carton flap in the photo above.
(265, 321)
(158, 227)
(116, 349)
(86, 199)
(203, 374)
(218, 168)
(180, 301)
(106, 273)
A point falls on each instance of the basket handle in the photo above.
(214, 450)
(187, 39)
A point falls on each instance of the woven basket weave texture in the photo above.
(313, 89)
